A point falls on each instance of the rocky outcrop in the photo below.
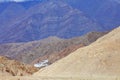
(9, 67)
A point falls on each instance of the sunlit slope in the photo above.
(101, 58)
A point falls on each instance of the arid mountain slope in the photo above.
(9, 67)
(57, 56)
(100, 58)
(27, 52)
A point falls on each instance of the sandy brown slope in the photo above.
(9, 67)
(100, 58)
(28, 52)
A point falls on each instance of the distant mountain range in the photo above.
(35, 20)
(105, 12)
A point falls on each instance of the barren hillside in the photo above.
(98, 61)
(57, 56)
(28, 52)
(100, 58)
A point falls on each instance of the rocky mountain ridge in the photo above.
(28, 52)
